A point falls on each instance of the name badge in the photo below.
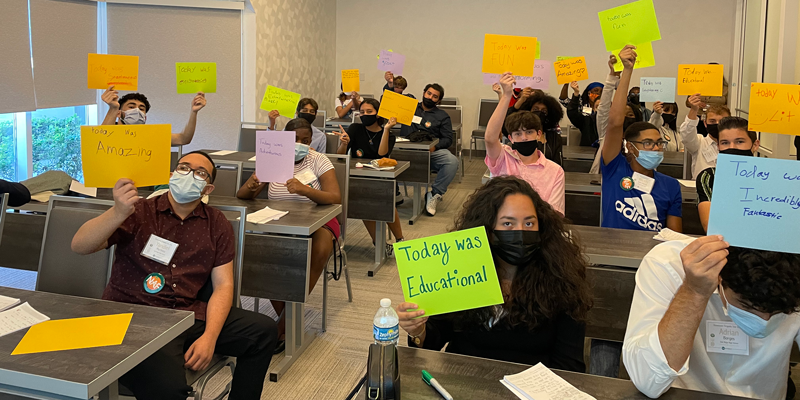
(643, 183)
(726, 338)
(305, 176)
(159, 249)
(416, 120)
(710, 154)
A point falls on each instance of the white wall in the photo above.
(443, 40)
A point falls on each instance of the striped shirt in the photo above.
(315, 162)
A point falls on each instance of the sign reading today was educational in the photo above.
(140, 153)
(398, 106)
(705, 79)
(756, 203)
(194, 77)
(774, 108)
(504, 53)
(657, 89)
(449, 272)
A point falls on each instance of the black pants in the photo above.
(248, 336)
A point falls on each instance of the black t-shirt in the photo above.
(360, 146)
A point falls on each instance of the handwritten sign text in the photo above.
(503, 53)
(275, 155)
(137, 152)
(572, 69)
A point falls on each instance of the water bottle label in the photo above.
(385, 334)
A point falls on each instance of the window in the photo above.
(56, 139)
(8, 153)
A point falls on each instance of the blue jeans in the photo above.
(446, 166)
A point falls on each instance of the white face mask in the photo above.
(133, 116)
(752, 325)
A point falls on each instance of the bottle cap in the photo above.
(386, 302)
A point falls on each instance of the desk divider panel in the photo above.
(612, 290)
(420, 169)
(367, 196)
(22, 241)
(285, 276)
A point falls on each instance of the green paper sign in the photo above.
(193, 77)
(282, 100)
(538, 49)
(629, 24)
(449, 272)
(562, 58)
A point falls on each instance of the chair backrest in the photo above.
(60, 269)
(3, 206)
(367, 96)
(449, 101)
(247, 135)
(234, 212)
(332, 143)
(454, 111)
(341, 163)
(485, 111)
(175, 155)
(319, 121)
(228, 178)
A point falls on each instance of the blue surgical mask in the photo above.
(186, 189)
(133, 116)
(300, 151)
(752, 325)
(649, 159)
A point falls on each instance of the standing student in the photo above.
(324, 189)
(306, 109)
(665, 116)
(370, 141)
(586, 123)
(523, 158)
(635, 196)
(132, 109)
(347, 103)
(633, 97)
(703, 149)
(542, 277)
(550, 113)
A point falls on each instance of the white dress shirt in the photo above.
(762, 374)
(703, 149)
(603, 110)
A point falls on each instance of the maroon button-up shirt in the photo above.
(205, 241)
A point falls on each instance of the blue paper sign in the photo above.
(756, 203)
(657, 89)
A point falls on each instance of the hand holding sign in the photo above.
(125, 197)
(644, 57)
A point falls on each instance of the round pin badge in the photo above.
(359, 153)
(428, 124)
(626, 183)
(154, 283)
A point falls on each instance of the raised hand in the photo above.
(612, 59)
(658, 107)
(507, 82)
(496, 88)
(198, 102)
(702, 261)
(125, 197)
(389, 76)
(412, 326)
(391, 123)
(273, 116)
(527, 92)
(343, 137)
(696, 102)
(628, 56)
(111, 97)
(575, 88)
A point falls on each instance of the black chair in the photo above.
(486, 108)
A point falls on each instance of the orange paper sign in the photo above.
(503, 53)
(571, 69)
(705, 79)
(774, 108)
(105, 70)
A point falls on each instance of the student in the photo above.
(711, 101)
(734, 138)
(205, 252)
(523, 158)
(550, 113)
(369, 141)
(435, 121)
(656, 204)
(542, 276)
(586, 123)
(306, 109)
(633, 97)
(346, 103)
(688, 292)
(395, 83)
(132, 109)
(703, 149)
(18, 194)
(665, 116)
(587, 99)
(324, 189)
(603, 109)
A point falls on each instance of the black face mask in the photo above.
(428, 103)
(526, 148)
(307, 116)
(368, 120)
(737, 152)
(542, 117)
(633, 98)
(713, 130)
(670, 120)
(515, 247)
(628, 122)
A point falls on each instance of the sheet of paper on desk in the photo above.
(222, 153)
(7, 302)
(75, 333)
(402, 139)
(78, 187)
(666, 234)
(688, 183)
(19, 318)
(265, 215)
(539, 383)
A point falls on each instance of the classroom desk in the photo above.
(418, 173)
(371, 198)
(332, 125)
(468, 378)
(83, 373)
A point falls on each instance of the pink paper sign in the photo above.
(393, 62)
(275, 156)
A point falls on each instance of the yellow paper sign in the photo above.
(398, 106)
(538, 49)
(137, 152)
(628, 24)
(282, 100)
(774, 108)
(193, 77)
(503, 53)
(351, 81)
(705, 79)
(74, 333)
(105, 70)
(644, 57)
(571, 69)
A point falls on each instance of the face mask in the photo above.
(428, 103)
(713, 130)
(515, 247)
(670, 120)
(752, 325)
(186, 189)
(649, 159)
(526, 148)
(300, 151)
(737, 152)
(593, 97)
(628, 122)
(542, 117)
(133, 116)
(369, 120)
(307, 116)
(633, 98)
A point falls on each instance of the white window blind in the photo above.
(16, 76)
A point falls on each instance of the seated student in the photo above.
(395, 83)
(346, 103)
(369, 141)
(542, 276)
(435, 121)
(587, 99)
(665, 116)
(18, 194)
(550, 113)
(523, 158)
(688, 292)
(654, 202)
(132, 109)
(703, 149)
(734, 138)
(306, 109)
(586, 123)
(322, 190)
(205, 252)
(633, 97)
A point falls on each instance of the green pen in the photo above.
(432, 382)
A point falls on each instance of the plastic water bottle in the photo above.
(385, 325)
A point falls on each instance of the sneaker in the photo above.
(389, 250)
(431, 200)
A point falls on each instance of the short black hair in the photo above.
(736, 123)
(766, 281)
(135, 96)
(307, 101)
(635, 130)
(204, 154)
(298, 124)
(373, 102)
(672, 106)
(437, 87)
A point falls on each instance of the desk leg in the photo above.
(380, 247)
(417, 200)
(297, 340)
(111, 392)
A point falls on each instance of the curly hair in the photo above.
(555, 113)
(135, 96)
(554, 282)
(765, 281)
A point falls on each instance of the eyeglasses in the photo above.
(199, 174)
(649, 144)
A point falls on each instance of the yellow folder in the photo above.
(74, 333)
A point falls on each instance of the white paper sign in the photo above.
(657, 89)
